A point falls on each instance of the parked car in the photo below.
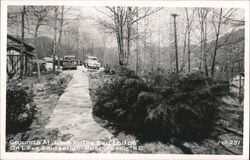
(69, 62)
(92, 63)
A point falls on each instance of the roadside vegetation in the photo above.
(29, 105)
(20, 109)
(165, 107)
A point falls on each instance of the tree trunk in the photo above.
(137, 43)
(143, 66)
(54, 47)
(203, 41)
(188, 39)
(60, 39)
(159, 45)
(189, 51)
(175, 39)
(119, 35)
(77, 44)
(22, 48)
(216, 44)
(128, 37)
(152, 59)
(120, 42)
(36, 54)
(121, 47)
(184, 50)
(205, 46)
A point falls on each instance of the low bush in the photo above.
(115, 99)
(20, 109)
(163, 106)
(58, 84)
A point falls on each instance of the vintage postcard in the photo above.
(124, 79)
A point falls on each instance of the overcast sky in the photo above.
(159, 24)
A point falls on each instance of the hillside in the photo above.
(229, 57)
(43, 46)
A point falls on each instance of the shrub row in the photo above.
(161, 107)
(20, 108)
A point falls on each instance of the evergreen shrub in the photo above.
(162, 106)
(20, 109)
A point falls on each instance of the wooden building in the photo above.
(13, 57)
(237, 84)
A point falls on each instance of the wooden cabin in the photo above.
(13, 57)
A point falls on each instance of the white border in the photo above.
(234, 4)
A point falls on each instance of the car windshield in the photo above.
(70, 58)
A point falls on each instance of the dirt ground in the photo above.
(227, 142)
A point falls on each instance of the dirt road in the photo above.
(72, 116)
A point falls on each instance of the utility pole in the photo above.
(171, 47)
(55, 27)
(175, 40)
(22, 44)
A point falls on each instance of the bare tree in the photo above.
(69, 24)
(202, 14)
(189, 22)
(55, 34)
(22, 42)
(137, 43)
(220, 19)
(122, 21)
(38, 16)
(159, 44)
(60, 36)
(145, 34)
(77, 42)
(175, 42)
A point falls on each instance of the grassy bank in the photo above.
(45, 94)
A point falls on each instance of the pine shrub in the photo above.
(163, 106)
(20, 109)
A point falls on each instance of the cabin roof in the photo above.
(16, 43)
(18, 50)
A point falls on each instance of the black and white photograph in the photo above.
(125, 79)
